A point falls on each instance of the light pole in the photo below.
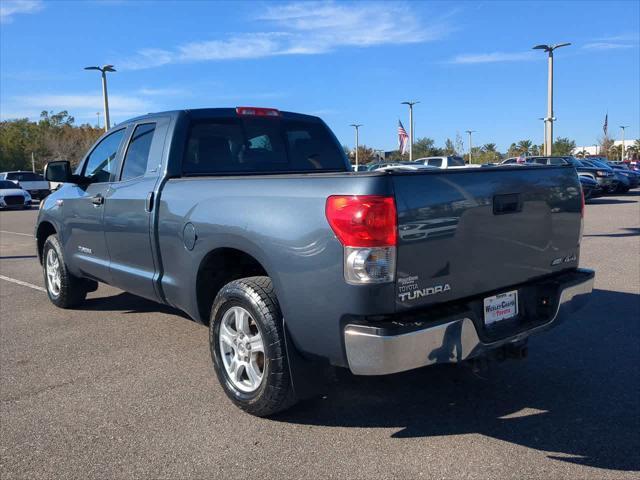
(544, 138)
(548, 144)
(103, 70)
(411, 104)
(98, 115)
(622, 127)
(470, 132)
(357, 127)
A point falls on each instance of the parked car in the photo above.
(402, 166)
(32, 182)
(621, 183)
(251, 221)
(449, 161)
(590, 187)
(623, 169)
(12, 196)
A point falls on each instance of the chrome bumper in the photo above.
(449, 342)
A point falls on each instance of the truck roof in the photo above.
(224, 112)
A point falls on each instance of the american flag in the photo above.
(605, 127)
(403, 139)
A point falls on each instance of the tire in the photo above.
(274, 391)
(64, 289)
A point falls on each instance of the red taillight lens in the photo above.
(582, 204)
(258, 112)
(363, 220)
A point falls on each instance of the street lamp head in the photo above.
(409, 103)
(546, 48)
(108, 68)
(558, 45)
(356, 125)
(93, 68)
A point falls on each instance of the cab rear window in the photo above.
(260, 145)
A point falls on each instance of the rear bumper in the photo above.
(371, 351)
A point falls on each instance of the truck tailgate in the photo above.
(474, 231)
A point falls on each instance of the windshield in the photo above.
(261, 145)
(5, 185)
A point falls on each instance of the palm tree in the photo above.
(524, 146)
(489, 147)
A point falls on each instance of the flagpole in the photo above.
(411, 104)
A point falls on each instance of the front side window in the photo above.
(260, 145)
(137, 156)
(101, 161)
(456, 162)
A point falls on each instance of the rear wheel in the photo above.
(63, 288)
(247, 345)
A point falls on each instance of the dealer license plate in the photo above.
(500, 307)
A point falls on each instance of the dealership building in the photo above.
(595, 149)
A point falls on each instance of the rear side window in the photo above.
(557, 161)
(434, 162)
(456, 162)
(261, 145)
(137, 156)
(101, 161)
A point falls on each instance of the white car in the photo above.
(12, 196)
(449, 161)
(33, 183)
(400, 168)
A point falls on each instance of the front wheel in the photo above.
(246, 338)
(64, 289)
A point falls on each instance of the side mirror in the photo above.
(58, 171)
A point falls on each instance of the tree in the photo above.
(54, 136)
(614, 152)
(425, 147)
(489, 153)
(605, 144)
(449, 147)
(524, 147)
(563, 146)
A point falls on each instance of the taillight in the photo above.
(363, 220)
(582, 204)
(258, 112)
(366, 226)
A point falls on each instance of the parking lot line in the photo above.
(17, 233)
(24, 284)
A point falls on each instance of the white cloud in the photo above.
(9, 8)
(494, 57)
(305, 28)
(606, 46)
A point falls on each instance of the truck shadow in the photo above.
(575, 397)
(628, 232)
(125, 302)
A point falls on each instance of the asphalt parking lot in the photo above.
(124, 388)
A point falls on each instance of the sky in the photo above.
(470, 64)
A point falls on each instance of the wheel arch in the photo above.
(44, 231)
(219, 267)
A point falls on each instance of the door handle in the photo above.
(148, 206)
(97, 200)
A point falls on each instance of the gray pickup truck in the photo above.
(250, 221)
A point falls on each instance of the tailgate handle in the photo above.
(509, 203)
